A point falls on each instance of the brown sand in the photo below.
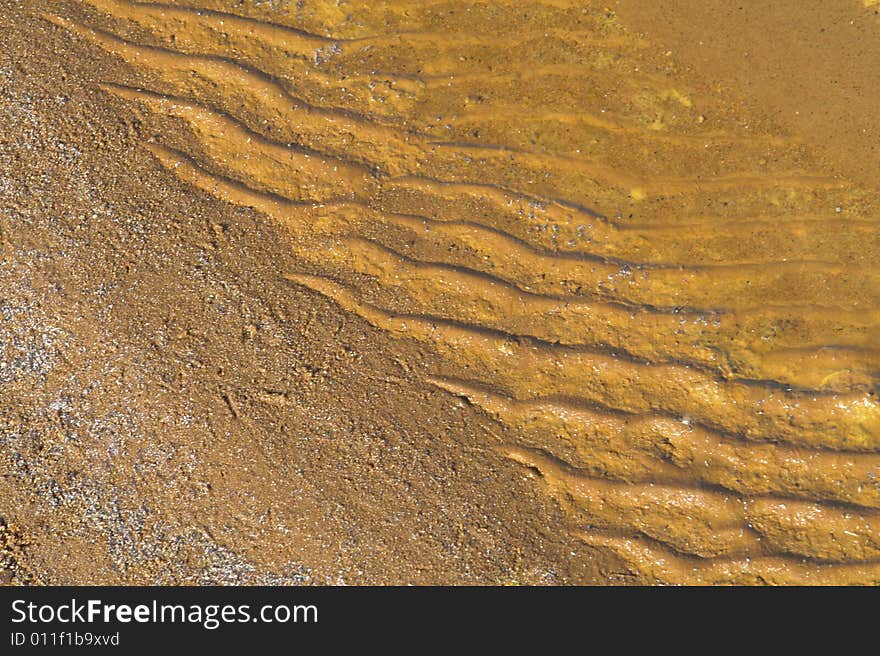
(439, 292)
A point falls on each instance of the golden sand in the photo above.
(669, 307)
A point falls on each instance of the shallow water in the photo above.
(669, 298)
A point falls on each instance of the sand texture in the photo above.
(440, 291)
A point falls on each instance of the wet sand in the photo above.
(440, 292)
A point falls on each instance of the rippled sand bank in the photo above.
(663, 297)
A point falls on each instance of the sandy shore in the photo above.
(439, 292)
